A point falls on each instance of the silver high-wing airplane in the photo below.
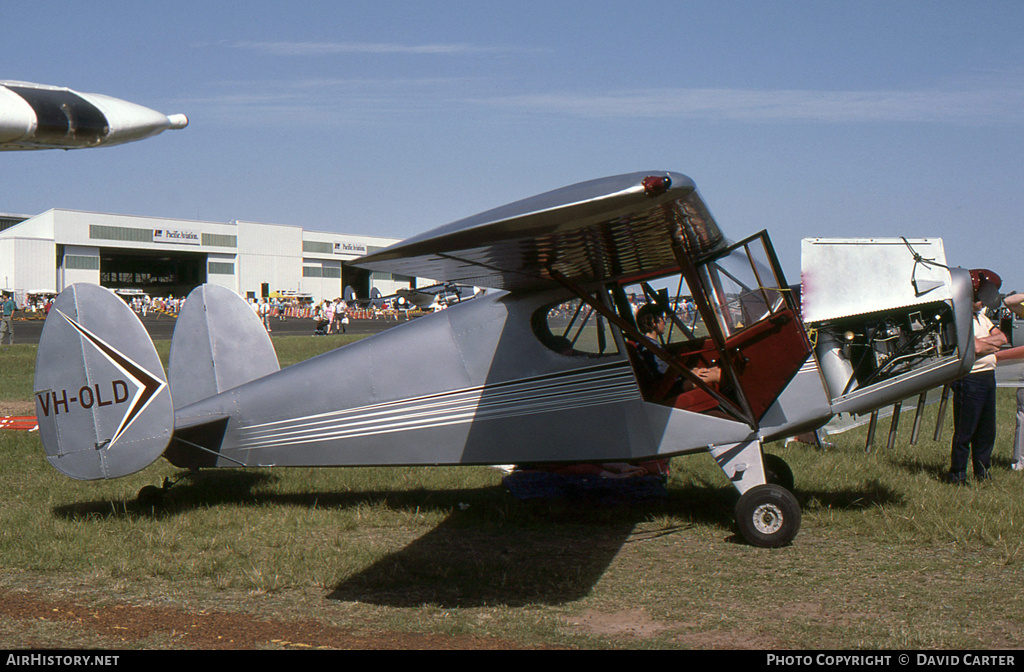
(36, 116)
(548, 371)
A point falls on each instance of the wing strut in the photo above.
(656, 348)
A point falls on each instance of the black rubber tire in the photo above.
(150, 496)
(768, 516)
(778, 472)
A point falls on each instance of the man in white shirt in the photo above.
(974, 395)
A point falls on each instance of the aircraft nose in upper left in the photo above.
(129, 121)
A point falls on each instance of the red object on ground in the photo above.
(22, 422)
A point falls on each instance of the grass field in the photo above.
(888, 556)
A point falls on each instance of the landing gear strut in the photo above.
(767, 513)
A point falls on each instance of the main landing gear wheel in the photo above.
(778, 472)
(768, 516)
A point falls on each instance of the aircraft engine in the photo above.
(887, 315)
(863, 350)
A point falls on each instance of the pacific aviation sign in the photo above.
(113, 392)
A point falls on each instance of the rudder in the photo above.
(102, 401)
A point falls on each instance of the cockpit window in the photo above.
(684, 321)
(574, 329)
(63, 117)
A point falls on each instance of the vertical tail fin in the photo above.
(376, 301)
(219, 343)
(102, 401)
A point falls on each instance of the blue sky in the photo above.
(387, 118)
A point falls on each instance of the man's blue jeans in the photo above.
(974, 424)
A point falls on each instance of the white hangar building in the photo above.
(170, 257)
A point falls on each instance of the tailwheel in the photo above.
(768, 516)
(150, 496)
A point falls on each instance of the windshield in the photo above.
(742, 287)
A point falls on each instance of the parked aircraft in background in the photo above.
(550, 370)
(36, 116)
(374, 300)
(434, 297)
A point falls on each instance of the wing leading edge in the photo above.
(594, 231)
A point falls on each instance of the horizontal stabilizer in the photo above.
(102, 401)
(219, 343)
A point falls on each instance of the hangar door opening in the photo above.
(356, 278)
(155, 273)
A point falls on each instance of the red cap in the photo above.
(986, 286)
(980, 275)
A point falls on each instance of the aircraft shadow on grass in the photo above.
(490, 549)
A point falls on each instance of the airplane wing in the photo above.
(600, 230)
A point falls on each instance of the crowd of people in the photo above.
(334, 315)
(145, 304)
(331, 317)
